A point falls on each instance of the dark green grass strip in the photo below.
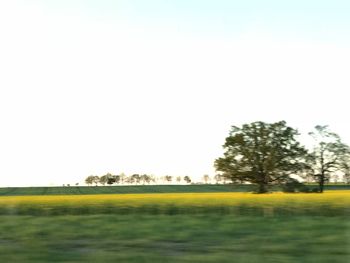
(73, 190)
(176, 238)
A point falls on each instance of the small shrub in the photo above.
(304, 189)
(314, 190)
(293, 185)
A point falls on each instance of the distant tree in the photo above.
(111, 179)
(144, 178)
(178, 179)
(117, 178)
(153, 179)
(123, 178)
(206, 178)
(89, 180)
(161, 179)
(96, 179)
(262, 154)
(129, 179)
(135, 178)
(217, 178)
(76, 184)
(168, 178)
(328, 157)
(105, 178)
(187, 179)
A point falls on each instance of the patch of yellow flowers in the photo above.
(340, 198)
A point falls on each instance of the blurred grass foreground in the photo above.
(176, 227)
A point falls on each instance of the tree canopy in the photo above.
(261, 153)
(328, 157)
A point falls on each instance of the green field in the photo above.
(177, 238)
(82, 190)
(211, 226)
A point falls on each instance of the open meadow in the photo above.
(176, 227)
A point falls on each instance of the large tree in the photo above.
(329, 156)
(261, 153)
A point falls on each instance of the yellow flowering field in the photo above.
(176, 202)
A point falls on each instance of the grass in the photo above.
(176, 227)
(123, 189)
(133, 189)
(176, 238)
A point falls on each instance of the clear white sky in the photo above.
(96, 86)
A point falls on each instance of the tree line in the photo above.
(136, 179)
(267, 154)
(145, 179)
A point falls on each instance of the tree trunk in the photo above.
(262, 188)
(321, 184)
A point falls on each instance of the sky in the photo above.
(96, 86)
